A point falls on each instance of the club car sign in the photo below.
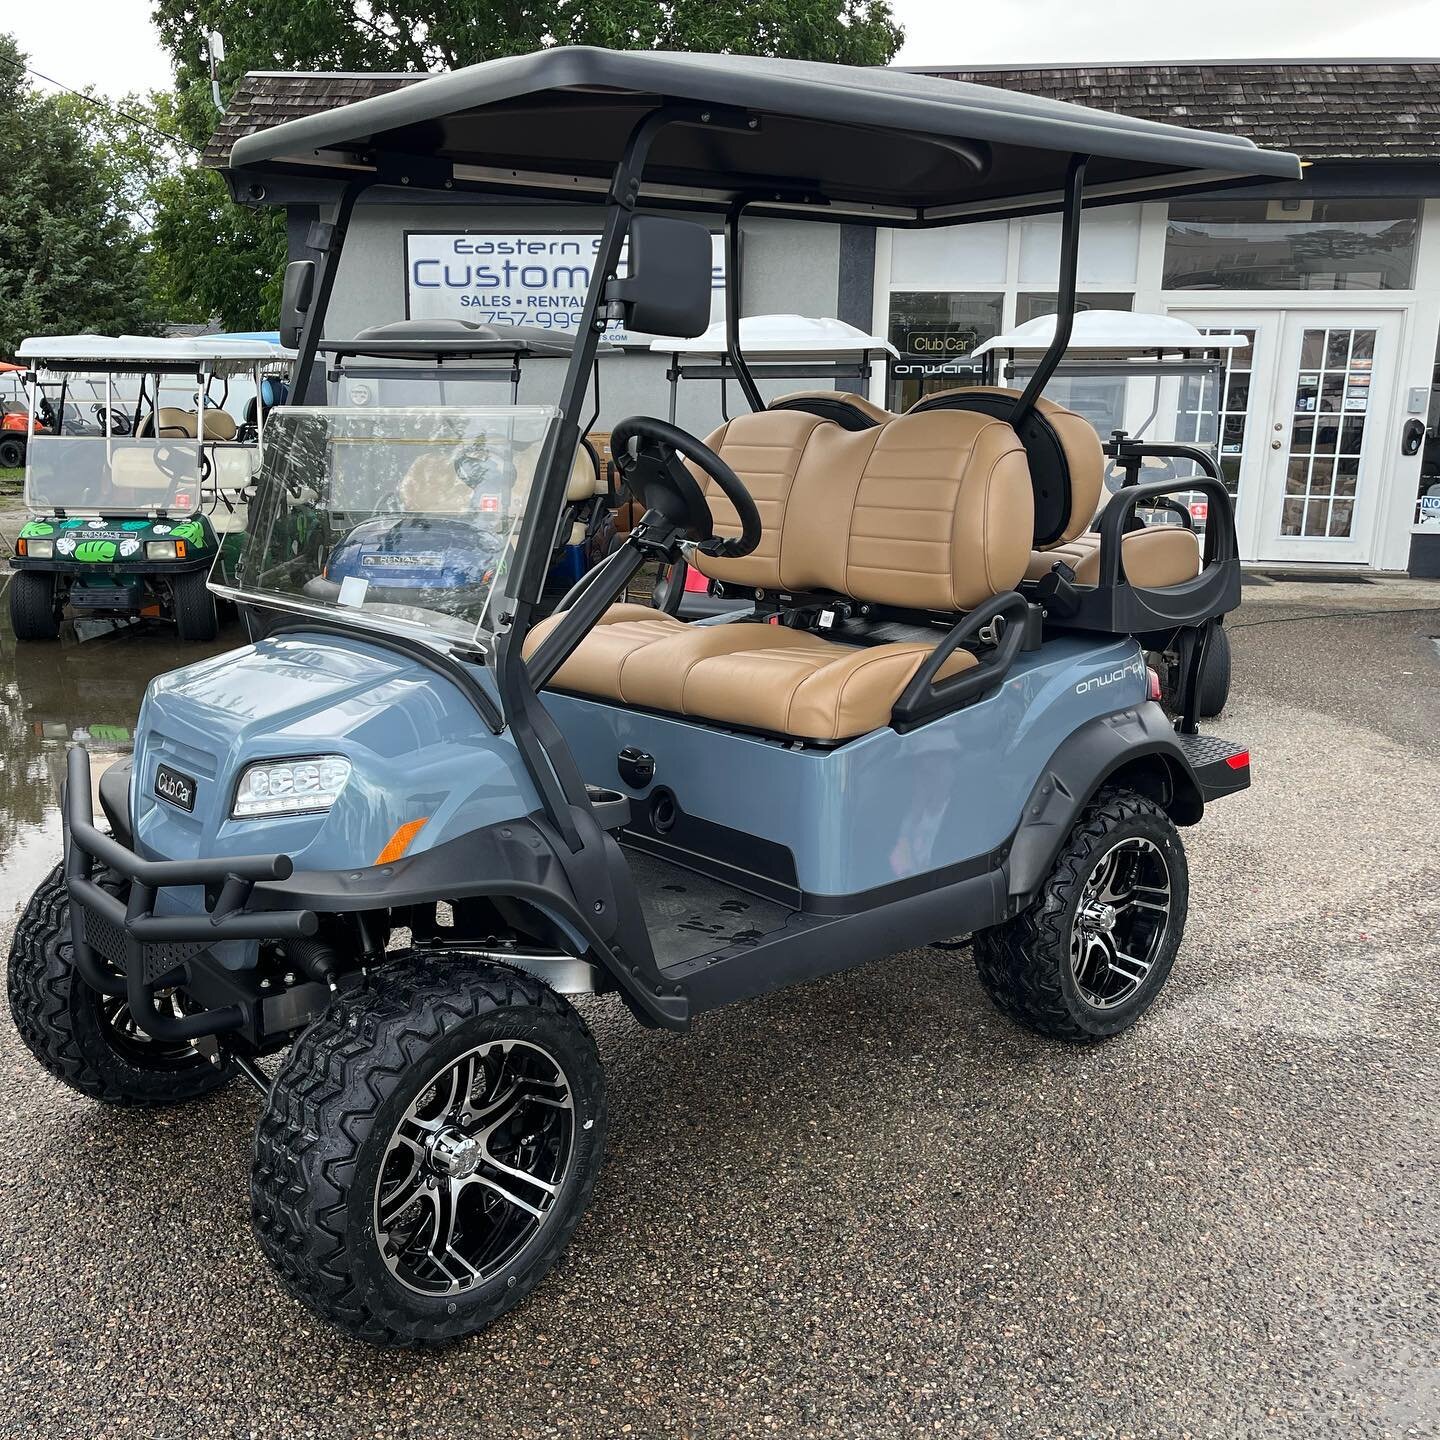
(514, 277)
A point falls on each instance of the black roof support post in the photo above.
(1065, 301)
(332, 242)
(748, 387)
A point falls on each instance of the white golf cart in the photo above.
(136, 486)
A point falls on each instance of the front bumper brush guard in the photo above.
(122, 948)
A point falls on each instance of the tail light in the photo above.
(1152, 678)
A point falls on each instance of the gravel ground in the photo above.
(871, 1207)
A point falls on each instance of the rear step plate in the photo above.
(1221, 766)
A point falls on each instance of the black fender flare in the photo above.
(516, 860)
(1138, 743)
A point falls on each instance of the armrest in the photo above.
(924, 698)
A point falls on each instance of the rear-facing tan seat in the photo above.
(926, 512)
(1152, 558)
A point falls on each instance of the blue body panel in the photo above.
(416, 744)
(886, 806)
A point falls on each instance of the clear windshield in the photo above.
(393, 517)
(85, 473)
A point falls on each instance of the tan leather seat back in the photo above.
(850, 411)
(168, 423)
(433, 486)
(219, 424)
(1079, 453)
(930, 511)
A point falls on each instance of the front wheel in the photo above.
(89, 1040)
(12, 453)
(34, 610)
(195, 615)
(1089, 954)
(427, 1150)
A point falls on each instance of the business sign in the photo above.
(513, 277)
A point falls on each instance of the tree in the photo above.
(70, 260)
(214, 256)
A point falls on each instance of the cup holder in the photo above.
(612, 809)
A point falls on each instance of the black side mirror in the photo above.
(667, 291)
(295, 300)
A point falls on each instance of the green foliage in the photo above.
(212, 257)
(70, 259)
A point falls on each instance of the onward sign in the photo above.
(504, 277)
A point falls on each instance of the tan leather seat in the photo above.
(168, 423)
(927, 512)
(219, 424)
(1151, 559)
(851, 411)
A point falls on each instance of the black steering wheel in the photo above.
(647, 453)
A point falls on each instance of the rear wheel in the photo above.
(427, 1150)
(195, 615)
(34, 611)
(1214, 676)
(89, 1040)
(12, 453)
(1089, 954)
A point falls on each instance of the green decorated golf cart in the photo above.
(142, 483)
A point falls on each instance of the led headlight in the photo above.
(160, 550)
(40, 549)
(290, 787)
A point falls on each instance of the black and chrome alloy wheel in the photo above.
(1121, 922)
(473, 1168)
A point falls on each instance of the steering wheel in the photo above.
(647, 453)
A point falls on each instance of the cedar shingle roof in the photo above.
(1320, 109)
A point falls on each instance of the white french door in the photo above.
(1326, 448)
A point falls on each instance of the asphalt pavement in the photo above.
(868, 1207)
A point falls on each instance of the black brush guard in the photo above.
(123, 948)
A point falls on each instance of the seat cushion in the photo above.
(757, 676)
(1151, 559)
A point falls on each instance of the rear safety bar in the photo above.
(123, 948)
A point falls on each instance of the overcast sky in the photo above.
(111, 44)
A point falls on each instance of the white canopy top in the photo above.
(1115, 332)
(216, 353)
(778, 335)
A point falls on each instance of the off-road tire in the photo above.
(321, 1136)
(1024, 963)
(196, 617)
(12, 453)
(34, 615)
(63, 1021)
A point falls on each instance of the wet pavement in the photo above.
(869, 1206)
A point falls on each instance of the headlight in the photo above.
(40, 549)
(290, 787)
(164, 549)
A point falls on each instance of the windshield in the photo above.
(395, 518)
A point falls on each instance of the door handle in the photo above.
(1275, 445)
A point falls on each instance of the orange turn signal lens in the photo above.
(399, 842)
(19, 547)
(179, 549)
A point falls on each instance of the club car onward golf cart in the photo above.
(394, 840)
(823, 351)
(131, 496)
(436, 537)
(1137, 377)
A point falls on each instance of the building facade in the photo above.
(1329, 425)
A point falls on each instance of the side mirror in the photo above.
(667, 291)
(295, 300)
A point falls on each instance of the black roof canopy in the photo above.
(829, 141)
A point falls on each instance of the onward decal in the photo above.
(1111, 677)
(509, 277)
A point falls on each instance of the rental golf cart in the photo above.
(141, 476)
(436, 537)
(395, 839)
(1134, 377)
(826, 352)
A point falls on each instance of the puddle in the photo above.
(85, 689)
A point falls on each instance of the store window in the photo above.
(1354, 244)
(1215, 409)
(936, 333)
